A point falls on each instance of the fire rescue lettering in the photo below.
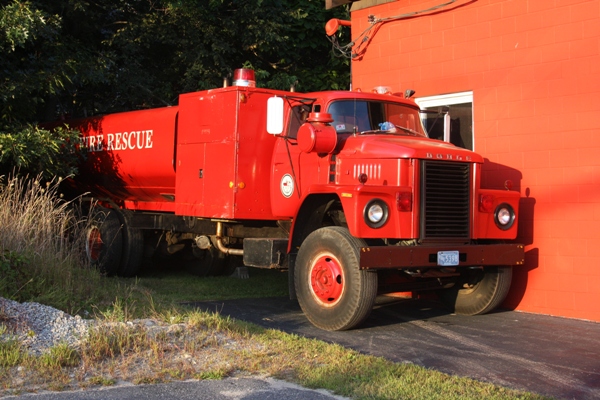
(119, 141)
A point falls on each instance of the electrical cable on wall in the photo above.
(347, 50)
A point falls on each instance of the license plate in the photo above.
(447, 258)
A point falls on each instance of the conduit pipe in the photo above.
(221, 246)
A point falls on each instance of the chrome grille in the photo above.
(445, 200)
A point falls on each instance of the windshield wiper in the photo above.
(415, 133)
(392, 131)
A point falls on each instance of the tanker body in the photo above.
(343, 189)
(129, 157)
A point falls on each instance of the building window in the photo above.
(450, 118)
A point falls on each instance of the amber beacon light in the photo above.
(333, 24)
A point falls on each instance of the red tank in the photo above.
(130, 156)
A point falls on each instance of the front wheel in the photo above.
(478, 291)
(333, 292)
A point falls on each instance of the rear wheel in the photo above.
(334, 293)
(478, 291)
(104, 241)
(231, 264)
(204, 262)
(133, 250)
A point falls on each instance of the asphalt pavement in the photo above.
(553, 356)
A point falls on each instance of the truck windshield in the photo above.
(368, 117)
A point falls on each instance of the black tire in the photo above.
(230, 265)
(133, 250)
(478, 291)
(104, 241)
(332, 291)
(206, 262)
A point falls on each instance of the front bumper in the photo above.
(480, 255)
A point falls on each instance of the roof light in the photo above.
(382, 89)
(333, 24)
(244, 77)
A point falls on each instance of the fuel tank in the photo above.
(129, 157)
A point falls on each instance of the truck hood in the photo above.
(388, 146)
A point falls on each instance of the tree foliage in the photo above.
(77, 58)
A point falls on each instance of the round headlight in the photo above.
(376, 213)
(504, 216)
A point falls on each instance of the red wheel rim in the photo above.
(326, 280)
(94, 244)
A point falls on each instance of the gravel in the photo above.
(39, 327)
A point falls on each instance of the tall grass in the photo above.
(41, 242)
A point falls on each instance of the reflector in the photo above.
(486, 203)
(404, 201)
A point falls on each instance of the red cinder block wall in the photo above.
(534, 69)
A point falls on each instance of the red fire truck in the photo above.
(342, 188)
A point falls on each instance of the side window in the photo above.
(458, 128)
(297, 118)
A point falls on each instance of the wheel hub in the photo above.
(326, 280)
(94, 244)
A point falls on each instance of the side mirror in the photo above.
(275, 115)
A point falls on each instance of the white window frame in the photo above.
(447, 100)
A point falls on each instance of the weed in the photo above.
(10, 353)
(119, 311)
(109, 341)
(101, 380)
(175, 374)
(61, 355)
(146, 379)
(213, 375)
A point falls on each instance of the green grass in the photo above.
(166, 290)
(165, 285)
(10, 353)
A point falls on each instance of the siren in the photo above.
(244, 77)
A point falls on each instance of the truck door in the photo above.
(292, 170)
